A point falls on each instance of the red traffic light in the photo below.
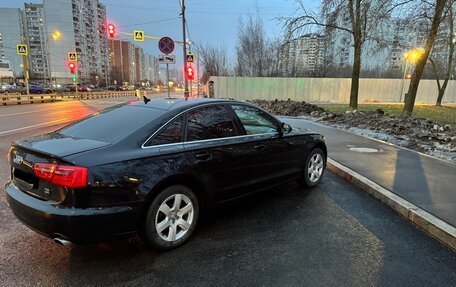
(72, 67)
(190, 74)
(111, 30)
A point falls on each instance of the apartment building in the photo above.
(10, 35)
(37, 38)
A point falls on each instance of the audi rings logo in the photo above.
(18, 159)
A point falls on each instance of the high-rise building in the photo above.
(10, 36)
(37, 38)
(122, 61)
(303, 56)
(139, 64)
(83, 28)
(151, 68)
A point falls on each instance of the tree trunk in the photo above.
(450, 56)
(355, 76)
(355, 17)
(416, 77)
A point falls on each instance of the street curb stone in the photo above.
(434, 226)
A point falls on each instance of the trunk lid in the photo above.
(51, 148)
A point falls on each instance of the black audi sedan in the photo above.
(150, 167)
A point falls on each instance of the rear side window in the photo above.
(111, 124)
(254, 120)
(172, 133)
(210, 123)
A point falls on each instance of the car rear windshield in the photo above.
(111, 124)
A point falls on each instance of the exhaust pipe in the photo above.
(62, 241)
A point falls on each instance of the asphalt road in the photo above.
(331, 235)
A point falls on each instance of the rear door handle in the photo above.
(204, 156)
(259, 147)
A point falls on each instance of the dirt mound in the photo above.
(418, 134)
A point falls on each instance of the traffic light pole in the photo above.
(186, 94)
(26, 73)
(167, 79)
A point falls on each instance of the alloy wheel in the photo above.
(174, 217)
(315, 168)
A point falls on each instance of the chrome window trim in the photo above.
(143, 146)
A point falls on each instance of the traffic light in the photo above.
(73, 68)
(190, 74)
(111, 30)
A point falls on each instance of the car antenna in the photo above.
(146, 100)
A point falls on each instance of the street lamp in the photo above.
(56, 35)
(411, 56)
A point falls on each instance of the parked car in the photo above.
(83, 88)
(113, 88)
(21, 89)
(4, 87)
(151, 167)
(36, 89)
(69, 87)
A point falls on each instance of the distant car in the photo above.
(83, 88)
(36, 89)
(69, 87)
(16, 89)
(114, 88)
(150, 167)
(4, 87)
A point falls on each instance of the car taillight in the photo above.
(68, 176)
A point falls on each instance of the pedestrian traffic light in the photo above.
(189, 73)
(111, 30)
(73, 67)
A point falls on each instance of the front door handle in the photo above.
(259, 147)
(204, 156)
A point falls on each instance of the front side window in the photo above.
(172, 133)
(210, 123)
(254, 120)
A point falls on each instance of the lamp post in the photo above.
(55, 36)
(411, 56)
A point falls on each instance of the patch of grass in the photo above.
(441, 115)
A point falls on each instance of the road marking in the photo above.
(38, 125)
(29, 112)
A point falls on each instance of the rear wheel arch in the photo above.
(182, 179)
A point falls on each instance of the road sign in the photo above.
(167, 59)
(72, 56)
(190, 58)
(138, 36)
(166, 45)
(22, 49)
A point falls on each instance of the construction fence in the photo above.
(332, 90)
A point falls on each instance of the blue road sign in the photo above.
(166, 45)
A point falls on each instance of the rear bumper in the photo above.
(80, 226)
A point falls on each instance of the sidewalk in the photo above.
(424, 181)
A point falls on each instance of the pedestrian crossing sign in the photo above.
(190, 58)
(138, 36)
(22, 49)
(72, 56)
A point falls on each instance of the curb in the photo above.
(434, 226)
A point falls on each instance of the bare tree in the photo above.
(214, 61)
(445, 64)
(438, 8)
(253, 49)
(362, 20)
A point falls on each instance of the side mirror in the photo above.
(286, 128)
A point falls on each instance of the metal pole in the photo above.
(185, 50)
(403, 80)
(197, 71)
(167, 79)
(26, 73)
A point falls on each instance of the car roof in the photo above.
(169, 104)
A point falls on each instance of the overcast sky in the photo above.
(209, 21)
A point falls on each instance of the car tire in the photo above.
(168, 226)
(314, 168)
